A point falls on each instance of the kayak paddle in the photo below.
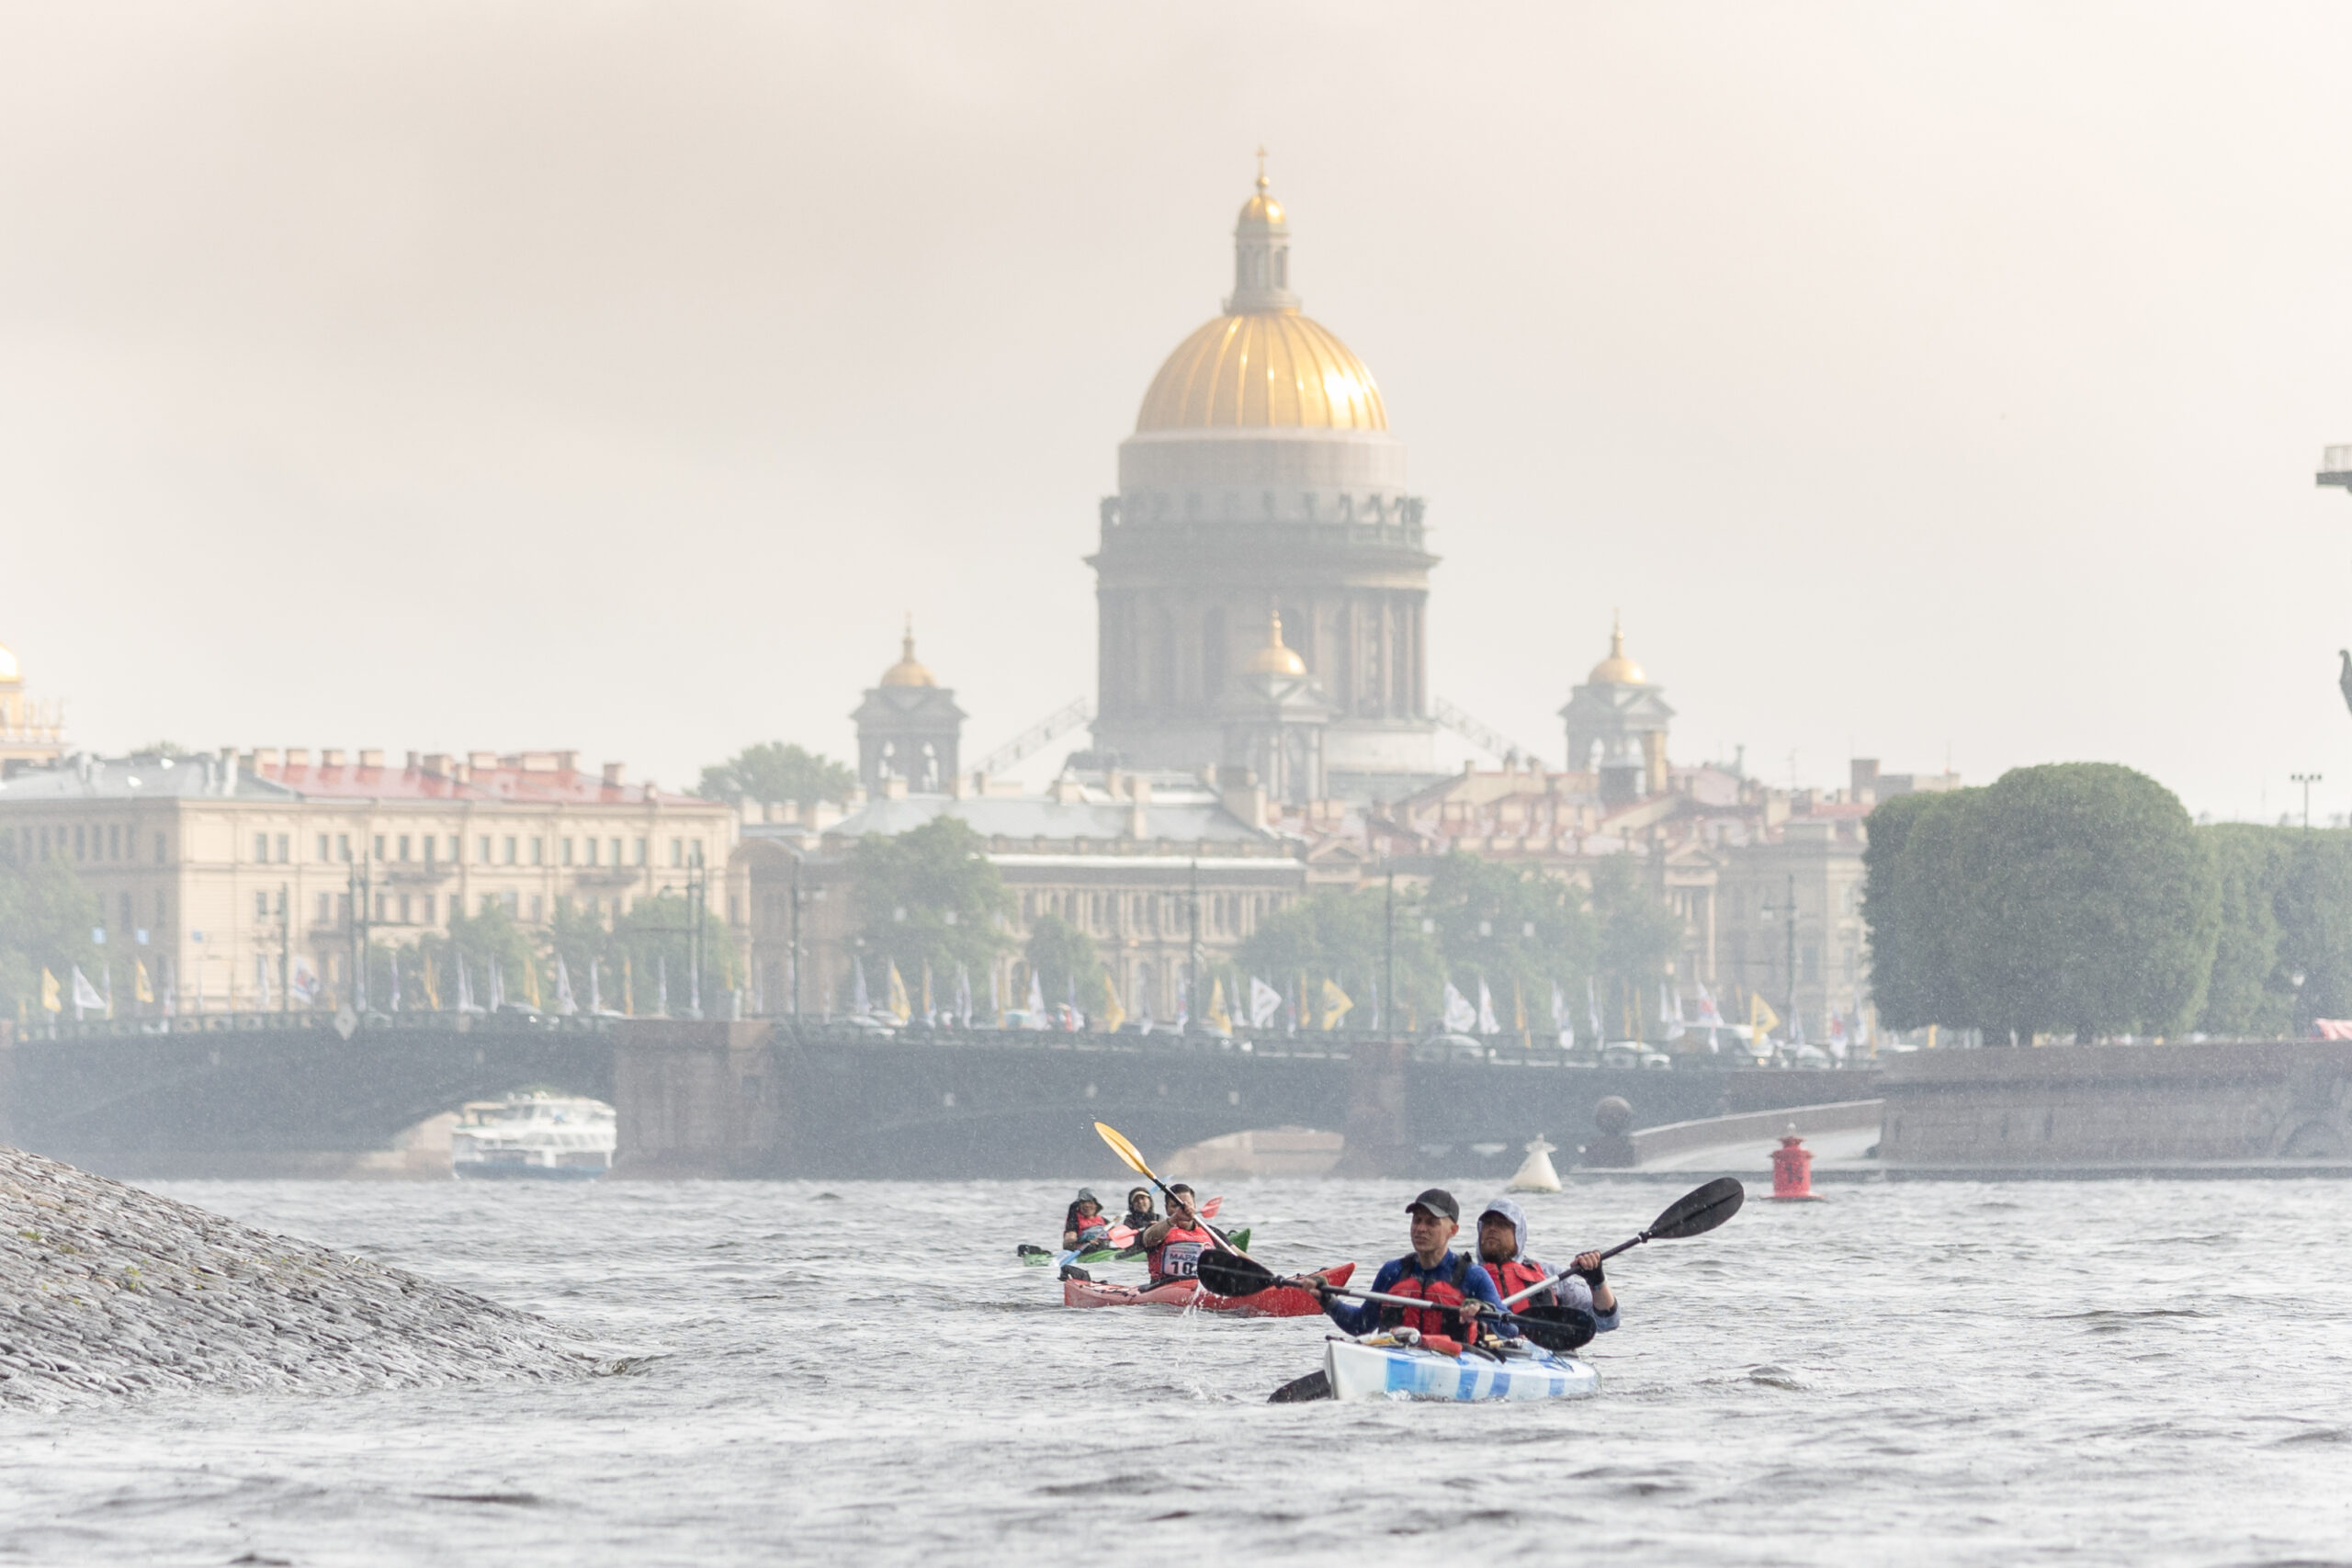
(1554, 1328)
(1696, 1212)
(1135, 1161)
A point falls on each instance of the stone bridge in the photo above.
(266, 1093)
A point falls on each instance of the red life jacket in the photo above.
(1178, 1255)
(1444, 1291)
(1514, 1277)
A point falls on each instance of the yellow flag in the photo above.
(49, 997)
(140, 988)
(628, 986)
(1760, 1016)
(432, 992)
(1114, 1014)
(531, 978)
(1336, 1003)
(1518, 1007)
(900, 1009)
(1219, 1019)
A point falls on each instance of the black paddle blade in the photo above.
(1229, 1274)
(1298, 1391)
(1555, 1327)
(1700, 1210)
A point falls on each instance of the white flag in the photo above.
(1037, 997)
(564, 1004)
(1460, 1016)
(86, 995)
(860, 1000)
(1670, 1011)
(1264, 1003)
(1560, 1019)
(1487, 1024)
(261, 979)
(1592, 1010)
(304, 985)
(595, 986)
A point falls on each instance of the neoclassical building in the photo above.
(1262, 480)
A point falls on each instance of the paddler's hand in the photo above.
(1587, 1268)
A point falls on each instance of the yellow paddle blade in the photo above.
(1124, 1149)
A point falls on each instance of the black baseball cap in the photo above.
(1439, 1202)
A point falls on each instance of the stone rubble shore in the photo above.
(106, 1290)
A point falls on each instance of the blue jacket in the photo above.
(1363, 1317)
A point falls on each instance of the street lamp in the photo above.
(2306, 780)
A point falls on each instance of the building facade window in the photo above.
(538, 851)
(261, 906)
(510, 849)
(404, 910)
(590, 846)
(431, 843)
(481, 850)
(677, 852)
(343, 847)
(326, 908)
(324, 847)
(640, 852)
(162, 850)
(567, 852)
(379, 847)
(403, 846)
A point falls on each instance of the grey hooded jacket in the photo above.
(1573, 1292)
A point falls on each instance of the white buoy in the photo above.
(1537, 1175)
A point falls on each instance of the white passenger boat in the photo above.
(534, 1136)
(1389, 1367)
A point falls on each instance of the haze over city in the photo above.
(1928, 383)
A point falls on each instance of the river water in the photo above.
(2107, 1372)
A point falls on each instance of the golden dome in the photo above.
(1274, 659)
(9, 670)
(1617, 670)
(1263, 371)
(908, 671)
(1263, 207)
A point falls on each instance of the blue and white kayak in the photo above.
(1379, 1367)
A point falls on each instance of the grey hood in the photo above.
(1508, 1208)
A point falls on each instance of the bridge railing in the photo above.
(1309, 1046)
(313, 1022)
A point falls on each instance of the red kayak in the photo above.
(1283, 1301)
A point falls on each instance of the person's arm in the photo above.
(1362, 1318)
(1479, 1285)
(1604, 1300)
(1153, 1236)
(1575, 1293)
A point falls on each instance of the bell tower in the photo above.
(908, 730)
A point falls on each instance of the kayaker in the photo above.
(1431, 1271)
(1083, 1226)
(1174, 1246)
(1141, 1214)
(1502, 1253)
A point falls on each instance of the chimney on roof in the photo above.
(331, 757)
(1139, 801)
(482, 761)
(436, 764)
(613, 775)
(298, 756)
(1238, 790)
(568, 761)
(265, 758)
(371, 756)
(228, 769)
(1865, 778)
(414, 759)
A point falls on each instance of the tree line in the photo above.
(2078, 899)
(928, 900)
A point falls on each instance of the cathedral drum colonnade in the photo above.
(1261, 478)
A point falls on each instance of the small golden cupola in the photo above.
(1617, 670)
(909, 670)
(1276, 658)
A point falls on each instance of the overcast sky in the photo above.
(1921, 380)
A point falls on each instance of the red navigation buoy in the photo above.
(1792, 1169)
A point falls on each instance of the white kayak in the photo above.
(1380, 1368)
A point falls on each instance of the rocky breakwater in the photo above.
(107, 1291)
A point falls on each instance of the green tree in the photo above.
(774, 773)
(2085, 902)
(1636, 934)
(929, 896)
(651, 940)
(1065, 959)
(1911, 895)
(2313, 910)
(2249, 996)
(1342, 936)
(46, 917)
(1513, 928)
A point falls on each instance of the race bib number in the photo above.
(1180, 1261)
